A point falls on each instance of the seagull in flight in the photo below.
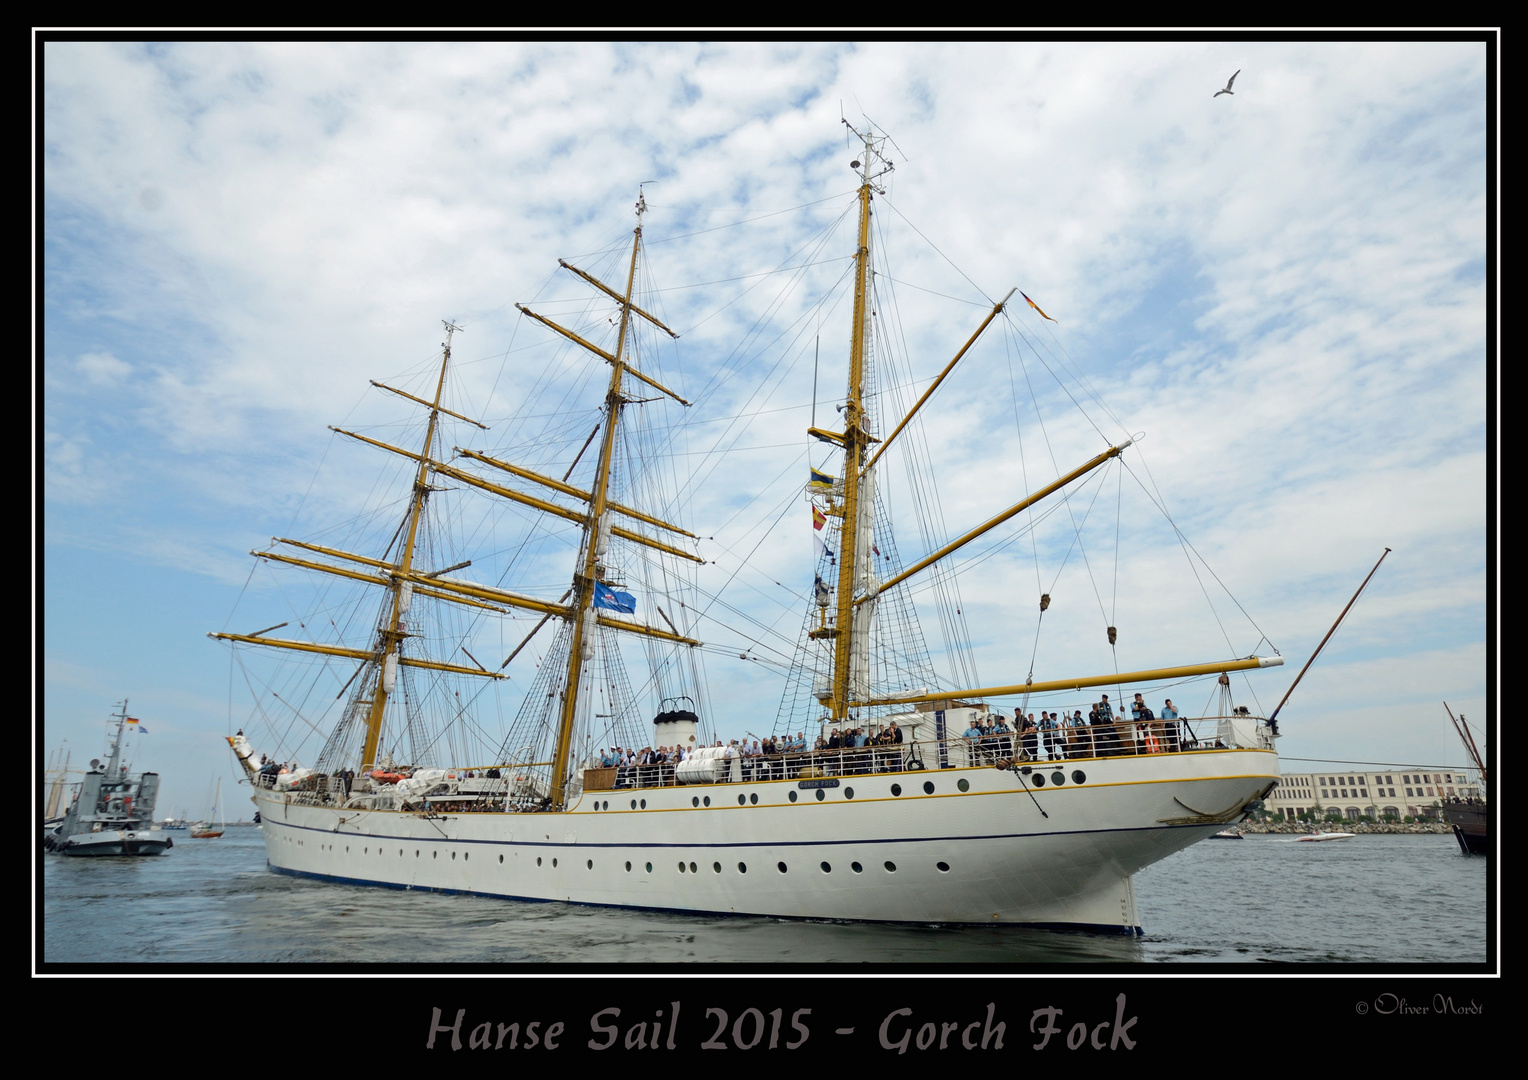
(1228, 89)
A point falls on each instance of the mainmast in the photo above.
(590, 572)
(596, 538)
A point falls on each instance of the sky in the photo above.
(1283, 289)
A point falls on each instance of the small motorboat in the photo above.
(1316, 837)
(1227, 834)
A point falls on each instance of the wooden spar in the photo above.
(932, 386)
(1274, 715)
(580, 454)
(534, 631)
(954, 545)
(1154, 675)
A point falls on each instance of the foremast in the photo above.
(391, 636)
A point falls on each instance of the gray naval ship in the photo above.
(113, 811)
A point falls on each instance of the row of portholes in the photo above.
(716, 867)
(1057, 778)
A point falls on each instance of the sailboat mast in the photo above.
(855, 440)
(390, 637)
(596, 537)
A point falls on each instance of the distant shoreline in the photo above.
(1415, 828)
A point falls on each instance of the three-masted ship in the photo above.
(920, 822)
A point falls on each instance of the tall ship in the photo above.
(112, 811)
(1470, 817)
(887, 791)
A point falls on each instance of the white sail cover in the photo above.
(865, 584)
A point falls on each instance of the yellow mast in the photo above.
(596, 536)
(855, 439)
(390, 637)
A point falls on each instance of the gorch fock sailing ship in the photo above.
(925, 825)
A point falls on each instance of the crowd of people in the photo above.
(1054, 736)
(853, 750)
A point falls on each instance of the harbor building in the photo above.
(1376, 794)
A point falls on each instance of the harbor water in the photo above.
(1370, 900)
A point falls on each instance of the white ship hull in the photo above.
(986, 854)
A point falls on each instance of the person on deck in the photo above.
(1169, 719)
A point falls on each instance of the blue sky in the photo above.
(1284, 289)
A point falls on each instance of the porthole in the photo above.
(716, 866)
(628, 866)
(742, 800)
(400, 854)
(681, 868)
(928, 787)
(466, 855)
(554, 864)
(754, 798)
(692, 868)
(366, 851)
(649, 868)
(1079, 777)
(944, 867)
(634, 804)
(963, 784)
(589, 865)
(501, 860)
(644, 804)
(793, 799)
(826, 868)
(433, 854)
(891, 867)
(695, 800)
(538, 860)
(347, 849)
(1039, 779)
(896, 789)
(857, 868)
(781, 866)
(821, 794)
(742, 868)
(848, 793)
(707, 800)
(1058, 777)
(416, 853)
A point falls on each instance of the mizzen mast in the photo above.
(854, 440)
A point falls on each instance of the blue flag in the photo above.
(611, 600)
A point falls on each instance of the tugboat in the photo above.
(113, 811)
